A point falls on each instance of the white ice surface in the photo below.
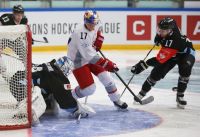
(175, 122)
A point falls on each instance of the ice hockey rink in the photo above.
(160, 118)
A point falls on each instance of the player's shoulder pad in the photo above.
(176, 35)
(6, 14)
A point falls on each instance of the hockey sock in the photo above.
(182, 84)
(146, 87)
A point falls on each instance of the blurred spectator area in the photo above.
(101, 3)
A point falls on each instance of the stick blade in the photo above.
(147, 100)
(45, 39)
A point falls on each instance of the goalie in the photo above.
(51, 78)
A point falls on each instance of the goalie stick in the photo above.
(79, 116)
(9, 52)
(142, 102)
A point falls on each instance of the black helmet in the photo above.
(167, 23)
(18, 9)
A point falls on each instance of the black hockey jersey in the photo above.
(7, 19)
(52, 80)
(177, 41)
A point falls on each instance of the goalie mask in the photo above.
(65, 64)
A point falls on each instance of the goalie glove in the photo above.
(139, 67)
(38, 104)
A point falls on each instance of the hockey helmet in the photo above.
(91, 17)
(18, 9)
(65, 64)
(166, 23)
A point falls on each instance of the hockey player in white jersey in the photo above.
(82, 49)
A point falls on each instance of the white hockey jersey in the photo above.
(80, 47)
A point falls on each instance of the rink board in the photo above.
(122, 28)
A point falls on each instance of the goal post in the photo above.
(15, 77)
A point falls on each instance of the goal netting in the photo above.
(15, 77)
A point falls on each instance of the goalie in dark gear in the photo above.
(53, 82)
(52, 78)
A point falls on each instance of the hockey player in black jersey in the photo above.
(52, 78)
(53, 81)
(176, 49)
(16, 18)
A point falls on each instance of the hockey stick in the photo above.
(78, 119)
(134, 74)
(86, 98)
(44, 38)
(150, 51)
(79, 116)
(142, 102)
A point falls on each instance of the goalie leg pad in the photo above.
(38, 104)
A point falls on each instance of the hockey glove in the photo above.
(139, 67)
(157, 40)
(99, 41)
(108, 65)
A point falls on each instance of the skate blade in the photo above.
(180, 106)
(122, 110)
(136, 103)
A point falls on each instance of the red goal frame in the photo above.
(29, 86)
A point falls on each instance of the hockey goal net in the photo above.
(15, 77)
